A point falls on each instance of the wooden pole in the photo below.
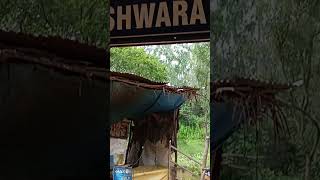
(189, 157)
(169, 159)
(205, 154)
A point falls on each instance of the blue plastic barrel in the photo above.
(122, 173)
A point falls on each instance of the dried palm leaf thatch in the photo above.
(156, 127)
(255, 100)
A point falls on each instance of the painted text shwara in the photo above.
(158, 22)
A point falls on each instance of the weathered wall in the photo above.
(155, 154)
(118, 146)
(153, 132)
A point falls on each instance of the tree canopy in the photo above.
(135, 60)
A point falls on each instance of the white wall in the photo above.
(118, 146)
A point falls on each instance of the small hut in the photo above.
(146, 113)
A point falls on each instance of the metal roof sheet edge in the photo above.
(11, 42)
(66, 48)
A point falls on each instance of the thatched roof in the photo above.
(246, 101)
(141, 82)
(240, 87)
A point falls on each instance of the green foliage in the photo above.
(136, 61)
(177, 59)
(191, 132)
(82, 20)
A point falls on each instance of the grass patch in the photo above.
(193, 148)
(194, 132)
(191, 141)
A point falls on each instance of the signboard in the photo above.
(122, 173)
(141, 22)
(120, 130)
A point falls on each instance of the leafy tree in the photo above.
(136, 61)
(177, 58)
